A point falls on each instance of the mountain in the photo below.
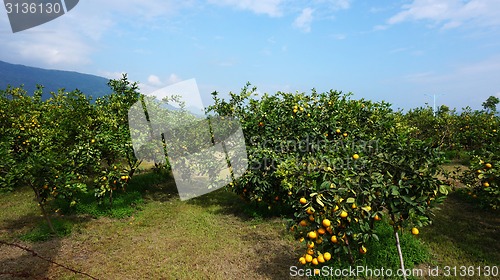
(52, 80)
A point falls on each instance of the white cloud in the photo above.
(50, 48)
(268, 7)
(173, 78)
(154, 80)
(69, 41)
(336, 4)
(111, 75)
(450, 13)
(304, 20)
(380, 27)
(339, 36)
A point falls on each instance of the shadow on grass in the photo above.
(277, 255)
(34, 234)
(473, 231)
(224, 202)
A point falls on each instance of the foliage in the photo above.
(65, 145)
(339, 163)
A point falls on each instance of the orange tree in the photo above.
(339, 164)
(39, 139)
(479, 130)
(66, 145)
(439, 128)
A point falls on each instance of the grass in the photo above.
(383, 254)
(151, 234)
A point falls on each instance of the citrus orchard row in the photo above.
(64, 144)
(337, 164)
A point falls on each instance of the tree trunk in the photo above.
(42, 208)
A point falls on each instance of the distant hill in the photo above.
(52, 80)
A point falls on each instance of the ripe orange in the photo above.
(311, 218)
(303, 200)
(308, 258)
(336, 208)
(488, 165)
(310, 251)
(309, 211)
(377, 218)
(302, 260)
(327, 256)
(326, 223)
(314, 261)
(363, 249)
(334, 239)
(353, 206)
(303, 223)
(355, 156)
(312, 235)
(345, 134)
(321, 231)
(321, 259)
(343, 214)
(486, 184)
(310, 244)
(414, 231)
(337, 131)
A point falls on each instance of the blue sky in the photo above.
(398, 51)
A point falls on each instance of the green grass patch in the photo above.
(383, 254)
(125, 202)
(42, 231)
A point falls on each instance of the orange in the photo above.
(311, 218)
(302, 260)
(353, 206)
(327, 256)
(321, 231)
(303, 200)
(326, 223)
(308, 258)
(414, 231)
(310, 251)
(312, 235)
(310, 245)
(355, 156)
(486, 184)
(334, 239)
(363, 250)
(377, 218)
(303, 223)
(309, 211)
(343, 214)
(488, 165)
(321, 259)
(315, 261)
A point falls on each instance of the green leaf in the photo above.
(318, 200)
(350, 200)
(443, 189)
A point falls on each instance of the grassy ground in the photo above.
(211, 237)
